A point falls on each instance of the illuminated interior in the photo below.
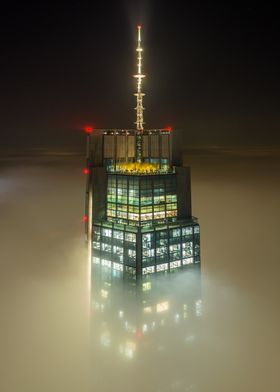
(141, 199)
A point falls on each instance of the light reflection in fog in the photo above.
(133, 319)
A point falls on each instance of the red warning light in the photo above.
(85, 218)
(139, 333)
(139, 26)
(169, 129)
(88, 130)
(86, 170)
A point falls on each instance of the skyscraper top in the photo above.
(139, 76)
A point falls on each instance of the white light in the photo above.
(198, 308)
(162, 306)
(104, 293)
(145, 328)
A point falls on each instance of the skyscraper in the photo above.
(138, 205)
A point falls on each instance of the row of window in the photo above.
(141, 217)
(134, 199)
(145, 270)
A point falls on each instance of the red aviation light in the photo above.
(86, 170)
(169, 128)
(88, 130)
(139, 333)
(85, 218)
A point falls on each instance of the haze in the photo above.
(225, 335)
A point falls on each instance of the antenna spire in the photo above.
(139, 95)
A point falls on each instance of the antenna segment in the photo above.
(139, 95)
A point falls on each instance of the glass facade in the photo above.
(163, 247)
(141, 209)
(141, 200)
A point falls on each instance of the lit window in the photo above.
(148, 252)
(131, 237)
(159, 215)
(187, 231)
(196, 229)
(96, 260)
(162, 306)
(187, 249)
(189, 260)
(175, 247)
(104, 293)
(118, 235)
(131, 253)
(161, 251)
(106, 263)
(106, 247)
(147, 286)
(198, 308)
(171, 213)
(118, 267)
(145, 217)
(134, 217)
(176, 232)
(175, 264)
(96, 245)
(147, 237)
(148, 270)
(117, 250)
(162, 267)
(107, 232)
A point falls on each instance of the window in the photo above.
(187, 231)
(159, 199)
(187, 249)
(106, 247)
(188, 261)
(147, 286)
(162, 250)
(118, 267)
(96, 245)
(175, 247)
(134, 217)
(106, 263)
(131, 253)
(117, 250)
(176, 232)
(162, 267)
(175, 264)
(148, 252)
(130, 237)
(107, 232)
(148, 270)
(118, 235)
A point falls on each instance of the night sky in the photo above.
(212, 70)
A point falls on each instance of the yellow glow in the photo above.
(139, 95)
(147, 286)
(104, 293)
(138, 167)
(162, 306)
(147, 309)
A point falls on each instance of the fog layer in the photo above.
(220, 331)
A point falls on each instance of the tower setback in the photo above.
(138, 205)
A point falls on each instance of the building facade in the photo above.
(138, 204)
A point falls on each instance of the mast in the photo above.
(139, 98)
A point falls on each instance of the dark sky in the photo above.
(212, 70)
